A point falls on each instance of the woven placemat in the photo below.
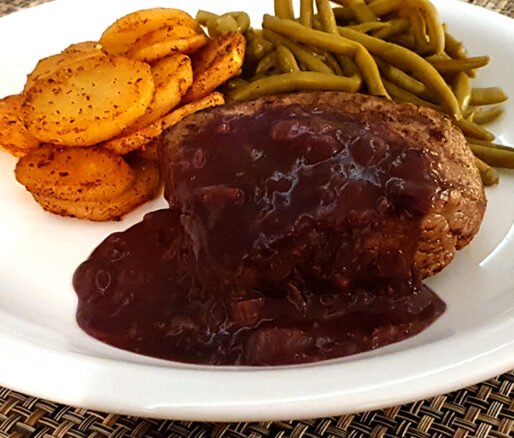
(485, 410)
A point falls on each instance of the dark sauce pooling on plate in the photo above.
(290, 239)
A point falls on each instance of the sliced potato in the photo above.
(172, 77)
(69, 56)
(74, 173)
(119, 37)
(161, 42)
(219, 60)
(88, 102)
(139, 139)
(14, 137)
(146, 185)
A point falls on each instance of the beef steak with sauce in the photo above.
(449, 220)
(298, 230)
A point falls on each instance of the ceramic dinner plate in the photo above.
(44, 353)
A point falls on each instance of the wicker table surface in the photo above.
(483, 410)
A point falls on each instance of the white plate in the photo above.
(44, 353)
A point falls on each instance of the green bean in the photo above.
(418, 30)
(222, 25)
(369, 26)
(411, 63)
(396, 26)
(361, 11)
(334, 44)
(297, 81)
(462, 90)
(328, 20)
(242, 20)
(284, 9)
(487, 116)
(449, 66)
(494, 157)
(487, 96)
(405, 40)
(488, 174)
(286, 60)
(204, 17)
(233, 83)
(473, 130)
(267, 63)
(406, 96)
(256, 49)
(332, 62)
(329, 25)
(425, 8)
(454, 47)
(349, 66)
(343, 15)
(488, 144)
(402, 79)
(306, 12)
(303, 55)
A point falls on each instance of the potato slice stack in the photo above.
(86, 123)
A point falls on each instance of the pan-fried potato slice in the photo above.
(69, 56)
(139, 139)
(74, 173)
(172, 77)
(146, 185)
(161, 42)
(119, 37)
(216, 62)
(14, 137)
(88, 102)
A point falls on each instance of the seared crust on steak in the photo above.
(459, 202)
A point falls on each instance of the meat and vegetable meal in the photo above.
(315, 170)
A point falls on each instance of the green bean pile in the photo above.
(397, 49)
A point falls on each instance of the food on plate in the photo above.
(88, 101)
(163, 42)
(396, 49)
(140, 139)
(219, 60)
(145, 186)
(87, 50)
(299, 229)
(121, 36)
(14, 136)
(115, 96)
(79, 173)
(172, 77)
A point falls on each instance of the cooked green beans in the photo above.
(334, 44)
(402, 79)
(462, 90)
(303, 55)
(361, 11)
(482, 117)
(412, 63)
(448, 66)
(473, 130)
(488, 174)
(306, 12)
(396, 26)
(287, 82)
(286, 60)
(405, 96)
(487, 96)
(284, 9)
(494, 157)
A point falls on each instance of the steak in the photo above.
(449, 220)
(298, 230)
